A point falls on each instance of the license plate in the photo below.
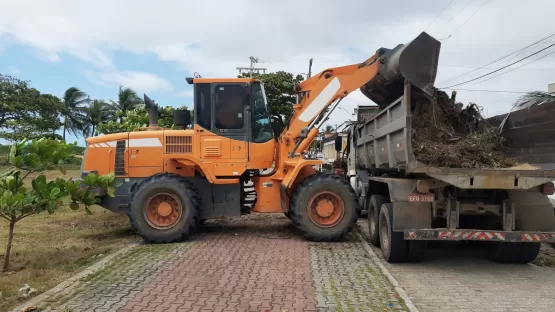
(421, 197)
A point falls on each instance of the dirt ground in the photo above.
(546, 258)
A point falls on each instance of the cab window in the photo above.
(203, 106)
(229, 106)
(261, 126)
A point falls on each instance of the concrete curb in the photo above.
(72, 280)
(400, 291)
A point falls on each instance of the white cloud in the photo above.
(95, 56)
(47, 56)
(198, 38)
(140, 81)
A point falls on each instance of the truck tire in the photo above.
(392, 243)
(509, 252)
(324, 208)
(374, 206)
(164, 208)
(416, 250)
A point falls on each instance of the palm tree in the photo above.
(329, 129)
(127, 100)
(534, 98)
(73, 106)
(97, 112)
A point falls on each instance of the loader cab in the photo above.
(232, 123)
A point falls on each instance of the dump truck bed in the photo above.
(385, 142)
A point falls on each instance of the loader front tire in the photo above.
(324, 208)
(164, 208)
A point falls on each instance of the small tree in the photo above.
(20, 198)
(137, 118)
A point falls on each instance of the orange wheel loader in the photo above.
(229, 162)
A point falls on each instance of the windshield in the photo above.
(261, 126)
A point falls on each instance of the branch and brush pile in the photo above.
(446, 134)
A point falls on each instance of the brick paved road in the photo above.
(257, 263)
(461, 279)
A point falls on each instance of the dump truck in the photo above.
(229, 162)
(410, 203)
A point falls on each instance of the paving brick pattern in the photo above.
(458, 278)
(227, 272)
(256, 263)
(116, 283)
(346, 279)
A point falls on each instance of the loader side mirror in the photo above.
(181, 118)
(338, 143)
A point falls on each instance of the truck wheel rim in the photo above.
(372, 220)
(163, 211)
(326, 209)
(384, 233)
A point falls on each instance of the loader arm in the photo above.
(380, 78)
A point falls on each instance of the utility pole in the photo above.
(309, 68)
(251, 68)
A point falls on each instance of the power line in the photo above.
(470, 67)
(492, 72)
(467, 19)
(503, 73)
(501, 58)
(435, 19)
(452, 18)
(483, 90)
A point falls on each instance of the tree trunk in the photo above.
(9, 246)
(93, 128)
(64, 136)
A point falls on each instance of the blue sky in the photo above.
(68, 71)
(99, 45)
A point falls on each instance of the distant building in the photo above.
(551, 87)
(329, 146)
(366, 112)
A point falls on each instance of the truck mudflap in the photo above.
(479, 235)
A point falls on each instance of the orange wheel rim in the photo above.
(163, 211)
(326, 209)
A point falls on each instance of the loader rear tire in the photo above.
(374, 206)
(324, 208)
(164, 208)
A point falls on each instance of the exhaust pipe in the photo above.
(415, 61)
(152, 112)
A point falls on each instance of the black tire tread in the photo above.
(509, 252)
(397, 244)
(378, 200)
(306, 186)
(191, 192)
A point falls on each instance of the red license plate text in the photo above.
(421, 197)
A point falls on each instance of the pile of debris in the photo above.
(444, 134)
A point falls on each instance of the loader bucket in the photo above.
(415, 61)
